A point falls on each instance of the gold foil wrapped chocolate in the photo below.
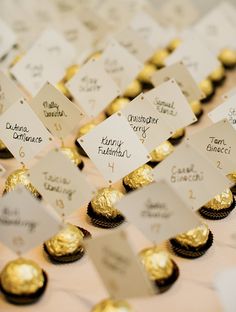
(67, 241)
(221, 201)
(111, 305)
(157, 263)
(63, 89)
(162, 151)
(227, 57)
(86, 128)
(19, 177)
(195, 237)
(159, 58)
(178, 133)
(139, 177)
(218, 74)
(2, 145)
(22, 277)
(117, 105)
(104, 200)
(146, 73)
(174, 44)
(71, 71)
(134, 89)
(196, 107)
(206, 87)
(73, 155)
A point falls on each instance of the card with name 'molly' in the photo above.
(194, 178)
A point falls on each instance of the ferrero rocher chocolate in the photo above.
(63, 89)
(195, 237)
(86, 128)
(111, 305)
(206, 87)
(228, 57)
(221, 201)
(217, 75)
(73, 155)
(146, 73)
(196, 108)
(174, 44)
(178, 133)
(134, 89)
(138, 178)
(159, 58)
(117, 105)
(161, 151)
(19, 177)
(71, 71)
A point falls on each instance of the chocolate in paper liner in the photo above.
(213, 214)
(5, 153)
(165, 283)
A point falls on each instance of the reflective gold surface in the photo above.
(86, 128)
(67, 241)
(227, 57)
(110, 305)
(134, 89)
(63, 89)
(207, 87)
(146, 73)
(174, 44)
(157, 263)
(159, 57)
(178, 133)
(72, 153)
(196, 107)
(162, 151)
(139, 177)
(22, 277)
(2, 145)
(217, 74)
(117, 105)
(71, 71)
(195, 237)
(221, 201)
(103, 202)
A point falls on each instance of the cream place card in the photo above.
(22, 132)
(147, 123)
(182, 76)
(56, 112)
(7, 38)
(217, 142)
(196, 56)
(194, 177)
(9, 93)
(2, 170)
(24, 221)
(229, 94)
(171, 103)
(114, 148)
(118, 266)
(93, 88)
(60, 183)
(120, 64)
(226, 110)
(159, 212)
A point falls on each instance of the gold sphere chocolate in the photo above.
(117, 105)
(134, 89)
(111, 305)
(227, 57)
(157, 263)
(159, 58)
(139, 177)
(195, 237)
(221, 201)
(22, 277)
(146, 73)
(218, 74)
(86, 128)
(72, 154)
(71, 71)
(162, 151)
(196, 107)
(19, 177)
(178, 133)
(206, 87)
(174, 44)
(63, 89)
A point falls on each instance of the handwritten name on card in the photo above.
(22, 132)
(159, 212)
(24, 221)
(60, 182)
(121, 65)
(56, 112)
(217, 142)
(196, 56)
(194, 178)
(9, 93)
(147, 123)
(93, 88)
(114, 148)
(182, 76)
(118, 267)
(7, 38)
(170, 102)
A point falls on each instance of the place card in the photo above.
(60, 183)
(24, 221)
(122, 66)
(118, 267)
(7, 38)
(159, 212)
(194, 177)
(226, 110)
(9, 93)
(217, 142)
(22, 132)
(56, 111)
(171, 103)
(93, 88)
(228, 94)
(182, 76)
(114, 148)
(147, 123)
(2, 170)
(195, 55)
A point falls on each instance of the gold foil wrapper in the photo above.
(146, 73)
(22, 277)
(71, 71)
(195, 237)
(110, 305)
(67, 241)
(174, 44)
(63, 89)
(17, 177)
(73, 155)
(162, 151)
(117, 105)
(221, 201)
(134, 89)
(159, 57)
(232, 176)
(178, 133)
(206, 87)
(105, 199)
(139, 177)
(2, 145)
(86, 128)
(196, 107)
(157, 263)
(227, 57)
(217, 74)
